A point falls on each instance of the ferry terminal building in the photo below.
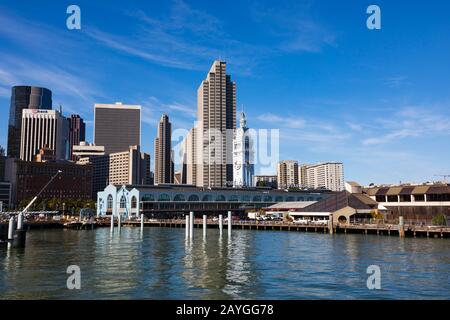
(173, 200)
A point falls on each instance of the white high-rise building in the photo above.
(44, 128)
(329, 175)
(216, 102)
(243, 156)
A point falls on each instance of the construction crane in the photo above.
(42, 190)
(445, 176)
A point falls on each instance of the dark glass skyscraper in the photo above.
(117, 126)
(163, 152)
(77, 132)
(24, 97)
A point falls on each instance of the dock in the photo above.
(372, 229)
(366, 229)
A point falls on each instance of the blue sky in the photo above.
(379, 101)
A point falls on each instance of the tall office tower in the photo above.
(302, 175)
(287, 173)
(77, 133)
(189, 166)
(126, 167)
(329, 175)
(24, 97)
(117, 126)
(2, 164)
(44, 128)
(243, 156)
(163, 151)
(145, 176)
(216, 122)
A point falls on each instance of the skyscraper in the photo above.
(216, 98)
(243, 156)
(189, 167)
(117, 126)
(24, 97)
(77, 133)
(43, 128)
(163, 151)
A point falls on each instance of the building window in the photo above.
(392, 198)
(257, 199)
(193, 197)
(220, 198)
(148, 197)
(123, 202)
(380, 198)
(179, 197)
(164, 197)
(405, 198)
(207, 197)
(133, 202)
(109, 202)
(419, 197)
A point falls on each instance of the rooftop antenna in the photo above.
(60, 108)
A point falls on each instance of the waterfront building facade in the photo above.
(117, 126)
(100, 171)
(416, 203)
(265, 181)
(287, 174)
(328, 175)
(24, 97)
(163, 152)
(216, 98)
(77, 133)
(170, 200)
(5, 195)
(243, 156)
(27, 178)
(43, 128)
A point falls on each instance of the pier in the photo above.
(368, 229)
(201, 223)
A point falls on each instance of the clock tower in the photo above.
(243, 163)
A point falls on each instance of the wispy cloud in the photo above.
(283, 122)
(153, 108)
(411, 122)
(17, 71)
(186, 38)
(397, 82)
(294, 28)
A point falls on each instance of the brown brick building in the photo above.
(28, 178)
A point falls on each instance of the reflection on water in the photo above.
(160, 263)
